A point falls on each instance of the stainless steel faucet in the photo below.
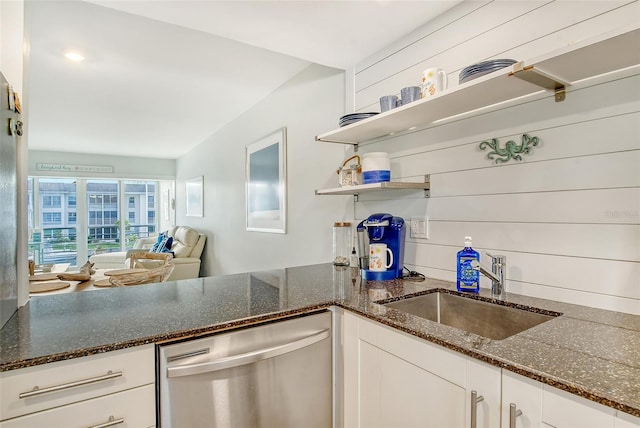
(496, 275)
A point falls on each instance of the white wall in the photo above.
(11, 42)
(567, 216)
(307, 105)
(123, 166)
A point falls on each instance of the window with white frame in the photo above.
(113, 214)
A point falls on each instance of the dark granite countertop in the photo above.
(590, 352)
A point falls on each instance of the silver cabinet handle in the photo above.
(111, 422)
(247, 358)
(474, 408)
(513, 414)
(39, 391)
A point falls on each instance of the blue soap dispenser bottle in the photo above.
(468, 279)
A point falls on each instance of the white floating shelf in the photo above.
(374, 187)
(589, 58)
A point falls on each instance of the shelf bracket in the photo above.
(539, 78)
(427, 183)
(355, 197)
(351, 143)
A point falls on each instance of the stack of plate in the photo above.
(348, 119)
(480, 69)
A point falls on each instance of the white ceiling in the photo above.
(161, 76)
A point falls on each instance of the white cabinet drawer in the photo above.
(75, 380)
(134, 408)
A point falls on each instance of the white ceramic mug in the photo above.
(434, 80)
(378, 257)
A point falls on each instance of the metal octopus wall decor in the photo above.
(511, 150)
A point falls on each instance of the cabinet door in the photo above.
(395, 392)
(526, 395)
(485, 380)
(561, 409)
(128, 409)
(396, 380)
(625, 420)
(545, 406)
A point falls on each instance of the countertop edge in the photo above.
(317, 307)
(165, 338)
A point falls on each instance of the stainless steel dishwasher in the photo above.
(271, 376)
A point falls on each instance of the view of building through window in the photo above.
(72, 219)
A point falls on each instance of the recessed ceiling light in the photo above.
(74, 56)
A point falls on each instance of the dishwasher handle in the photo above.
(246, 358)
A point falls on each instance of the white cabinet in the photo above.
(87, 391)
(625, 420)
(526, 395)
(543, 406)
(394, 379)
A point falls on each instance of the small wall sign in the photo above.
(73, 168)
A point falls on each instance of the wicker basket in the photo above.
(350, 175)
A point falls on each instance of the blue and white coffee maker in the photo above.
(382, 229)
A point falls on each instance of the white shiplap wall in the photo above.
(568, 216)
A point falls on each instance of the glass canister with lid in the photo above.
(342, 243)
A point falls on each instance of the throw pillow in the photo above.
(166, 248)
(160, 243)
(157, 245)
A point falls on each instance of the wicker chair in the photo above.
(147, 276)
(148, 260)
(156, 268)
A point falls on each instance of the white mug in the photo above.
(378, 257)
(434, 80)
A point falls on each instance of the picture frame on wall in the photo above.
(266, 183)
(194, 195)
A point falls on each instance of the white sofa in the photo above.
(187, 247)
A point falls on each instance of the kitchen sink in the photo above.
(490, 320)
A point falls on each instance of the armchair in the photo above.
(187, 248)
